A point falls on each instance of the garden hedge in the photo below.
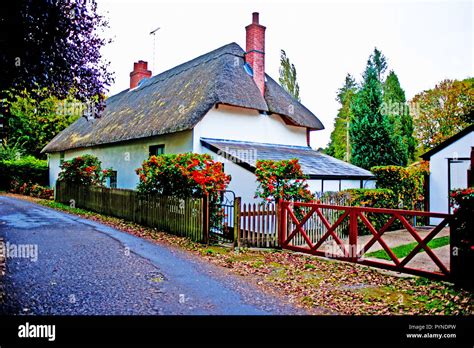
(25, 169)
(406, 183)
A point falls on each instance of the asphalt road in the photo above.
(59, 264)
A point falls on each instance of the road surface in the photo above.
(60, 264)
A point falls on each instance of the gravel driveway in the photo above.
(62, 264)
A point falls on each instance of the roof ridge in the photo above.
(155, 79)
(254, 142)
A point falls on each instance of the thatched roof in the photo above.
(313, 163)
(177, 99)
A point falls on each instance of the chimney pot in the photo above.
(255, 51)
(140, 72)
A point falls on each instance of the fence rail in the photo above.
(259, 223)
(294, 227)
(182, 217)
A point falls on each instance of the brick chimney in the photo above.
(255, 51)
(140, 71)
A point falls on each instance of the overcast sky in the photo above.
(425, 41)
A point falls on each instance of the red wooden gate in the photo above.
(296, 233)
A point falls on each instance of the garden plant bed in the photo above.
(310, 281)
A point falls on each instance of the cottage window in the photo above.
(113, 179)
(156, 150)
(61, 157)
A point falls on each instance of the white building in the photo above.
(220, 103)
(449, 165)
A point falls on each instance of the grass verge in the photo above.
(402, 251)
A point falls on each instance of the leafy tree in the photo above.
(288, 76)
(339, 146)
(37, 117)
(399, 115)
(379, 62)
(370, 131)
(442, 111)
(54, 45)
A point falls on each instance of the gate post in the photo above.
(353, 234)
(237, 206)
(205, 219)
(281, 222)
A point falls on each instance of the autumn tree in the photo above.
(442, 111)
(339, 146)
(287, 77)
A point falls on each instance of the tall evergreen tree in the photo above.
(339, 146)
(399, 116)
(288, 76)
(370, 131)
(379, 62)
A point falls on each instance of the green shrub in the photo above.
(25, 169)
(83, 170)
(10, 152)
(373, 198)
(406, 183)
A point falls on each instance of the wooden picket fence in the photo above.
(186, 217)
(258, 225)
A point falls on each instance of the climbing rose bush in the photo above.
(186, 175)
(463, 199)
(282, 180)
(84, 170)
(182, 175)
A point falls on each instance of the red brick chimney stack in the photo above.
(140, 71)
(255, 51)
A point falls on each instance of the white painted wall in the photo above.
(243, 181)
(53, 164)
(125, 157)
(232, 123)
(439, 173)
(333, 185)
